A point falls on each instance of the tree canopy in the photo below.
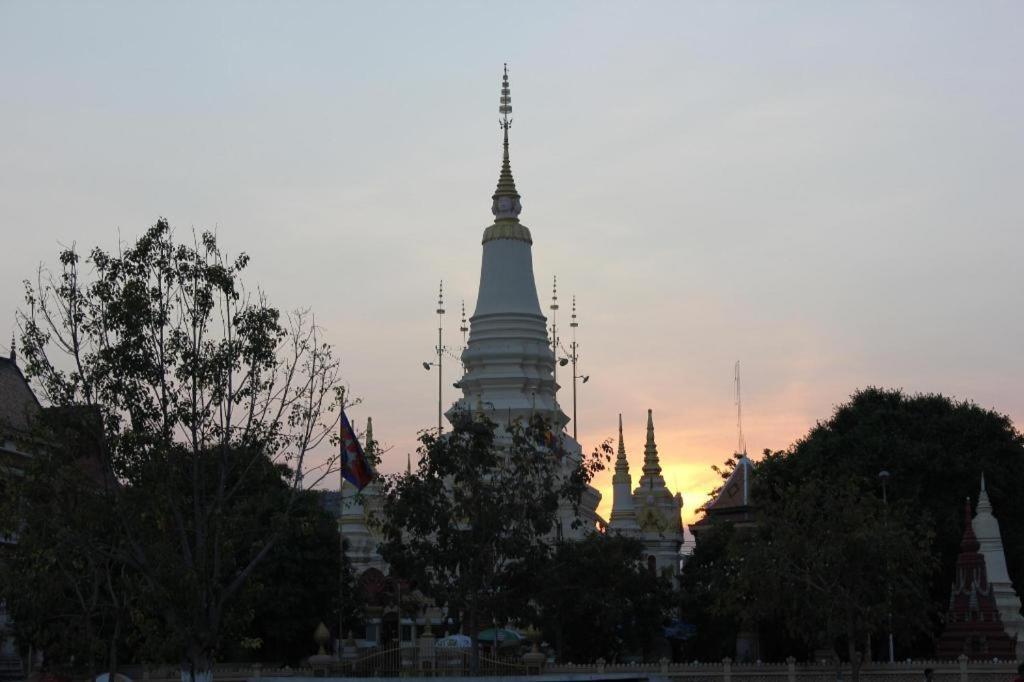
(824, 525)
(477, 509)
(204, 393)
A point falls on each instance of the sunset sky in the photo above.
(829, 192)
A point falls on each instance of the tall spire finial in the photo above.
(505, 205)
(984, 505)
(621, 462)
(652, 467)
(463, 327)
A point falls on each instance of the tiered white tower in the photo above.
(986, 529)
(509, 361)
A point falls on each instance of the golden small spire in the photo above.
(652, 467)
(621, 463)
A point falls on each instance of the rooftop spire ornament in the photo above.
(463, 327)
(554, 324)
(621, 463)
(506, 205)
(440, 355)
(574, 357)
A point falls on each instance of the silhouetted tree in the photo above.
(475, 511)
(201, 386)
(596, 598)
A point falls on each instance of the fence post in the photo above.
(663, 665)
(790, 669)
(257, 670)
(962, 660)
(727, 669)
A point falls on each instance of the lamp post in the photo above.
(883, 476)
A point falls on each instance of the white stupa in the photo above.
(509, 361)
(986, 529)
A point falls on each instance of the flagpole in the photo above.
(341, 532)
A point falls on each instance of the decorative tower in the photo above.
(973, 626)
(658, 511)
(509, 362)
(623, 516)
(986, 529)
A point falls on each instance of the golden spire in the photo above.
(505, 205)
(621, 463)
(652, 467)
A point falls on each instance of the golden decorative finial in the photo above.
(652, 467)
(505, 103)
(506, 205)
(621, 463)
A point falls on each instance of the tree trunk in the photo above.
(112, 650)
(855, 657)
(197, 666)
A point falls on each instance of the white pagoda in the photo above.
(986, 529)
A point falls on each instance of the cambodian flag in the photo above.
(354, 467)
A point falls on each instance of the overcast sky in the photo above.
(830, 192)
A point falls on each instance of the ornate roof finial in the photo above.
(984, 505)
(652, 467)
(969, 543)
(505, 205)
(462, 327)
(621, 463)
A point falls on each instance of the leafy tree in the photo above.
(935, 450)
(596, 598)
(201, 386)
(297, 586)
(477, 509)
(833, 563)
(66, 595)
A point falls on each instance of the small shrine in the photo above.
(973, 625)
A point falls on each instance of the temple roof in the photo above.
(18, 404)
(735, 492)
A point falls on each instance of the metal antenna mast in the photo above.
(440, 351)
(742, 443)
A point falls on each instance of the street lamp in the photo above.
(883, 476)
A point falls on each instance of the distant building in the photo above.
(19, 407)
(734, 505)
(973, 626)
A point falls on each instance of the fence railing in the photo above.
(413, 661)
